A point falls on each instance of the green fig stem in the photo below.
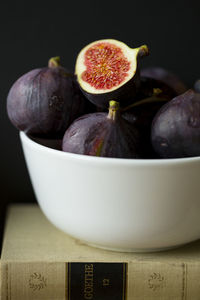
(54, 62)
(157, 91)
(151, 99)
(143, 50)
(114, 109)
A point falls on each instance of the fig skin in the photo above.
(142, 116)
(167, 77)
(103, 134)
(149, 87)
(152, 96)
(45, 101)
(197, 86)
(176, 127)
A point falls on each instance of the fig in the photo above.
(153, 87)
(45, 101)
(197, 86)
(176, 127)
(141, 116)
(167, 77)
(141, 113)
(103, 134)
(152, 96)
(108, 69)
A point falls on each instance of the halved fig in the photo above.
(108, 69)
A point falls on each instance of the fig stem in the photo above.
(54, 62)
(143, 50)
(113, 109)
(145, 100)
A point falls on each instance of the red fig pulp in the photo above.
(108, 69)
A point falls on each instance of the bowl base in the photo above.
(135, 250)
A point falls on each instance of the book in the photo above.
(40, 262)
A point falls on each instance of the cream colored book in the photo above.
(41, 262)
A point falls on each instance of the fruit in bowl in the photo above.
(46, 100)
(108, 69)
(165, 76)
(114, 203)
(111, 186)
(176, 127)
(102, 134)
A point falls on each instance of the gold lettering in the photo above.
(106, 282)
(88, 284)
(88, 267)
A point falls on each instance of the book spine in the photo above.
(100, 280)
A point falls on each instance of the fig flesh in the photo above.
(176, 127)
(45, 101)
(103, 134)
(108, 69)
(167, 77)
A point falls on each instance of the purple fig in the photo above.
(150, 98)
(167, 77)
(45, 101)
(153, 95)
(108, 69)
(103, 134)
(197, 86)
(141, 116)
(153, 87)
(176, 127)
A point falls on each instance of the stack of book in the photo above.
(39, 261)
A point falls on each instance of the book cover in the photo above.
(41, 262)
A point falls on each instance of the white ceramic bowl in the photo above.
(119, 204)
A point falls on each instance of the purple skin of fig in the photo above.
(153, 94)
(197, 86)
(102, 134)
(141, 116)
(141, 113)
(45, 101)
(148, 85)
(167, 77)
(176, 127)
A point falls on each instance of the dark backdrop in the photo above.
(32, 33)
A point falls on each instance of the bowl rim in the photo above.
(25, 139)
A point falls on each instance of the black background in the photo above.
(32, 32)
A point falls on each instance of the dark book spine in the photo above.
(97, 281)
